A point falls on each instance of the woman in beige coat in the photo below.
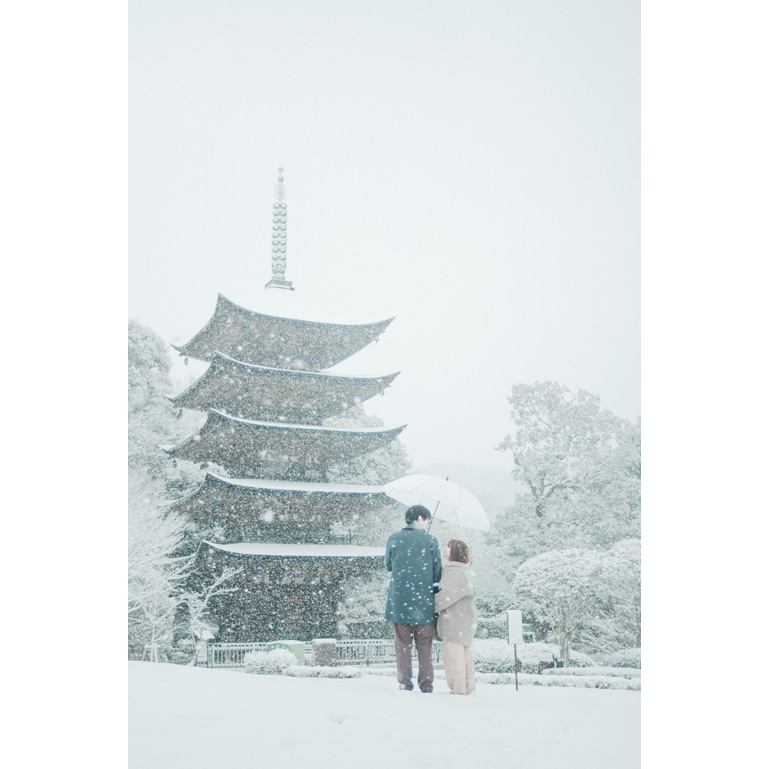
(457, 618)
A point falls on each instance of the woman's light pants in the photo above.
(460, 671)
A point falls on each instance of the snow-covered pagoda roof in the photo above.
(279, 550)
(302, 487)
(277, 511)
(278, 342)
(274, 394)
(269, 489)
(251, 449)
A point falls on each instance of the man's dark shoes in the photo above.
(406, 687)
(427, 690)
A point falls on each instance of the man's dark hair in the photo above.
(417, 511)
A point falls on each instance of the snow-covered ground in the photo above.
(194, 718)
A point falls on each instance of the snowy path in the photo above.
(195, 718)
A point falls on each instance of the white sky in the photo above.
(471, 168)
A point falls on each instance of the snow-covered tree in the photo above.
(618, 621)
(376, 467)
(157, 577)
(152, 419)
(151, 535)
(491, 574)
(557, 589)
(581, 466)
(152, 576)
(363, 599)
(622, 566)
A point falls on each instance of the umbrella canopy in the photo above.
(444, 499)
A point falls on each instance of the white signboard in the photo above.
(514, 627)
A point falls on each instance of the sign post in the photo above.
(515, 636)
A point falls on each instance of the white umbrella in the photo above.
(445, 500)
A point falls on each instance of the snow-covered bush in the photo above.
(320, 671)
(615, 623)
(593, 671)
(496, 656)
(274, 662)
(254, 662)
(586, 682)
(503, 679)
(492, 627)
(624, 658)
(574, 682)
(557, 589)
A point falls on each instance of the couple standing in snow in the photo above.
(422, 587)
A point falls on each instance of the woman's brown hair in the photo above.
(458, 551)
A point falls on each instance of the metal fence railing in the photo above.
(371, 651)
(348, 652)
(232, 655)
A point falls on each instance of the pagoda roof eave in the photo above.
(222, 298)
(255, 448)
(280, 550)
(385, 379)
(310, 428)
(260, 484)
(273, 489)
(305, 373)
(179, 500)
(282, 426)
(223, 304)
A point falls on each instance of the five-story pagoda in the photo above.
(266, 394)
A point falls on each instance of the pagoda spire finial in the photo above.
(279, 213)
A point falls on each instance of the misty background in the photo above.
(471, 169)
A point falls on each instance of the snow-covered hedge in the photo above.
(492, 627)
(625, 658)
(585, 682)
(274, 662)
(320, 671)
(594, 671)
(496, 656)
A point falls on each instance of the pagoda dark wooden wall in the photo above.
(248, 515)
(289, 598)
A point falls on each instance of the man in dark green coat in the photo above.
(414, 558)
